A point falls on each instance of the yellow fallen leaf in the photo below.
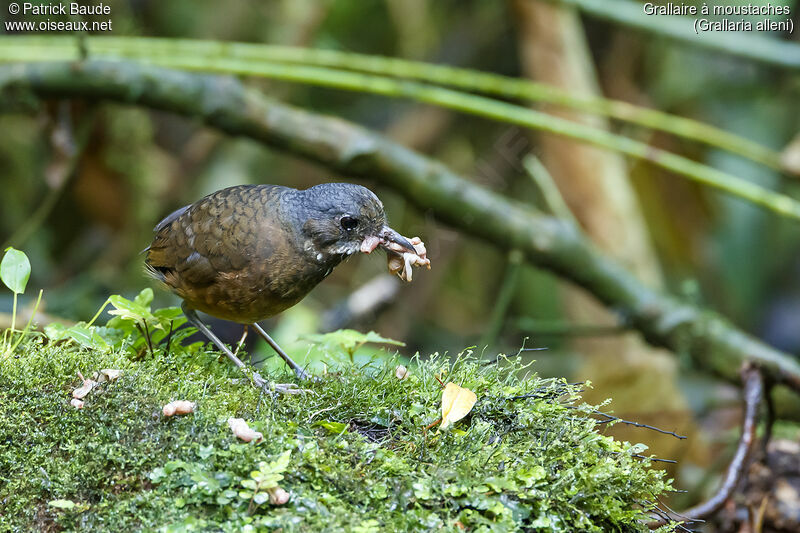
(457, 402)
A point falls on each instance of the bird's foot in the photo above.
(280, 388)
(303, 375)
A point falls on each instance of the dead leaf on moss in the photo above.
(107, 374)
(401, 372)
(76, 403)
(457, 402)
(240, 428)
(178, 407)
(81, 392)
(277, 496)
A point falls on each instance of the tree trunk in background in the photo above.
(595, 185)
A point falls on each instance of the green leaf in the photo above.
(157, 475)
(132, 310)
(87, 336)
(15, 269)
(56, 331)
(62, 504)
(350, 339)
(336, 428)
(144, 298)
(172, 466)
(205, 451)
(260, 498)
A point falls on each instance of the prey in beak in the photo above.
(401, 253)
(388, 239)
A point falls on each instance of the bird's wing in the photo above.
(218, 235)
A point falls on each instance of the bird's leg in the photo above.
(258, 381)
(241, 341)
(299, 372)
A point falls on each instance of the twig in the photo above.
(753, 395)
(552, 197)
(610, 418)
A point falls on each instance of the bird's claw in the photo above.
(280, 388)
(287, 388)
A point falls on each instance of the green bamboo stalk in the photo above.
(487, 108)
(749, 45)
(503, 112)
(28, 48)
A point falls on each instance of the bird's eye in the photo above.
(348, 223)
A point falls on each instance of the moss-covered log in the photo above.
(353, 454)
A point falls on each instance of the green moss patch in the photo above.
(528, 457)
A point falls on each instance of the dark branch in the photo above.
(753, 395)
(610, 418)
(225, 103)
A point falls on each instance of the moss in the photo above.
(361, 459)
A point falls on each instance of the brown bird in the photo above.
(249, 252)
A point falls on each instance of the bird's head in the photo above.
(342, 219)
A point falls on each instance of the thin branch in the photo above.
(225, 103)
(611, 418)
(490, 108)
(753, 395)
(541, 177)
(29, 48)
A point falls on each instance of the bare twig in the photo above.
(753, 395)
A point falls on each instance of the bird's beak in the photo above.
(389, 239)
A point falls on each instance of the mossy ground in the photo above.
(361, 459)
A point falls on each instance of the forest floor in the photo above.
(358, 451)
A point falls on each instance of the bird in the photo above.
(249, 252)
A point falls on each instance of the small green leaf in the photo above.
(15, 269)
(350, 339)
(62, 504)
(205, 451)
(87, 336)
(336, 428)
(157, 475)
(260, 498)
(172, 466)
(144, 298)
(56, 332)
